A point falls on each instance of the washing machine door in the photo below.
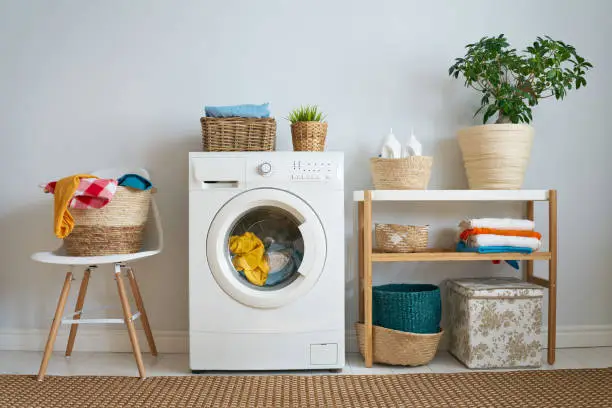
(294, 241)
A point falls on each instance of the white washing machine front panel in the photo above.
(297, 325)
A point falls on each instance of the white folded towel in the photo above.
(498, 223)
(482, 240)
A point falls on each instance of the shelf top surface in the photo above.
(454, 195)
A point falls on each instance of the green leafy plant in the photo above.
(511, 84)
(307, 113)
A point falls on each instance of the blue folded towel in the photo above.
(134, 181)
(461, 247)
(243, 111)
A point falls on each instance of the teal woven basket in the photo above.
(414, 308)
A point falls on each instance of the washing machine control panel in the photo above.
(313, 170)
(246, 170)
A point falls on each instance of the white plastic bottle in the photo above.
(413, 147)
(391, 148)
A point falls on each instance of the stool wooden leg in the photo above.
(127, 316)
(78, 308)
(143, 313)
(57, 320)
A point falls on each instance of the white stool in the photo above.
(152, 245)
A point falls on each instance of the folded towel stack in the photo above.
(495, 235)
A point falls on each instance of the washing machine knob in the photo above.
(265, 169)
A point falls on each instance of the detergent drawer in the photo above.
(217, 173)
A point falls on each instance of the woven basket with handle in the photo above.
(114, 229)
(409, 173)
(401, 238)
(399, 348)
(238, 134)
(309, 136)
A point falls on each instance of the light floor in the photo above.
(122, 364)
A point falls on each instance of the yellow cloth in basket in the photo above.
(63, 223)
(250, 257)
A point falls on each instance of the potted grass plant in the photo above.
(511, 84)
(308, 128)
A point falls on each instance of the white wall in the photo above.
(90, 84)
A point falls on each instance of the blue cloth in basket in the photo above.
(242, 111)
(134, 181)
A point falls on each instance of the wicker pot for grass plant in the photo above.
(509, 85)
(308, 129)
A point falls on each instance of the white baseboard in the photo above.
(168, 341)
(93, 339)
(567, 337)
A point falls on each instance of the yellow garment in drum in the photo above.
(250, 257)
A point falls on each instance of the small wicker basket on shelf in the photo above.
(409, 173)
(115, 229)
(399, 348)
(238, 134)
(309, 136)
(401, 238)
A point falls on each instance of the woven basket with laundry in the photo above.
(114, 229)
(98, 216)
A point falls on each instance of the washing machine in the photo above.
(293, 202)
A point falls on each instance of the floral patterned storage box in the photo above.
(495, 322)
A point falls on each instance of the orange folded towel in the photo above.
(492, 231)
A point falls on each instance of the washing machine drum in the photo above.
(282, 231)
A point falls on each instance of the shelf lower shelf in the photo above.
(441, 255)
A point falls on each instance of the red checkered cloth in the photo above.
(91, 193)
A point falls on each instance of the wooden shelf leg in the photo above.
(367, 277)
(360, 256)
(529, 264)
(552, 275)
(57, 320)
(143, 314)
(127, 316)
(78, 308)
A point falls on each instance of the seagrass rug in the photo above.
(542, 389)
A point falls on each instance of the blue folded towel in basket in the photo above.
(242, 111)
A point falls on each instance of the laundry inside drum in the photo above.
(269, 248)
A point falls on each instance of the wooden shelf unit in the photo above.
(367, 255)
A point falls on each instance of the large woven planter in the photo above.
(399, 348)
(401, 238)
(238, 134)
(115, 229)
(414, 308)
(496, 156)
(308, 136)
(409, 173)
